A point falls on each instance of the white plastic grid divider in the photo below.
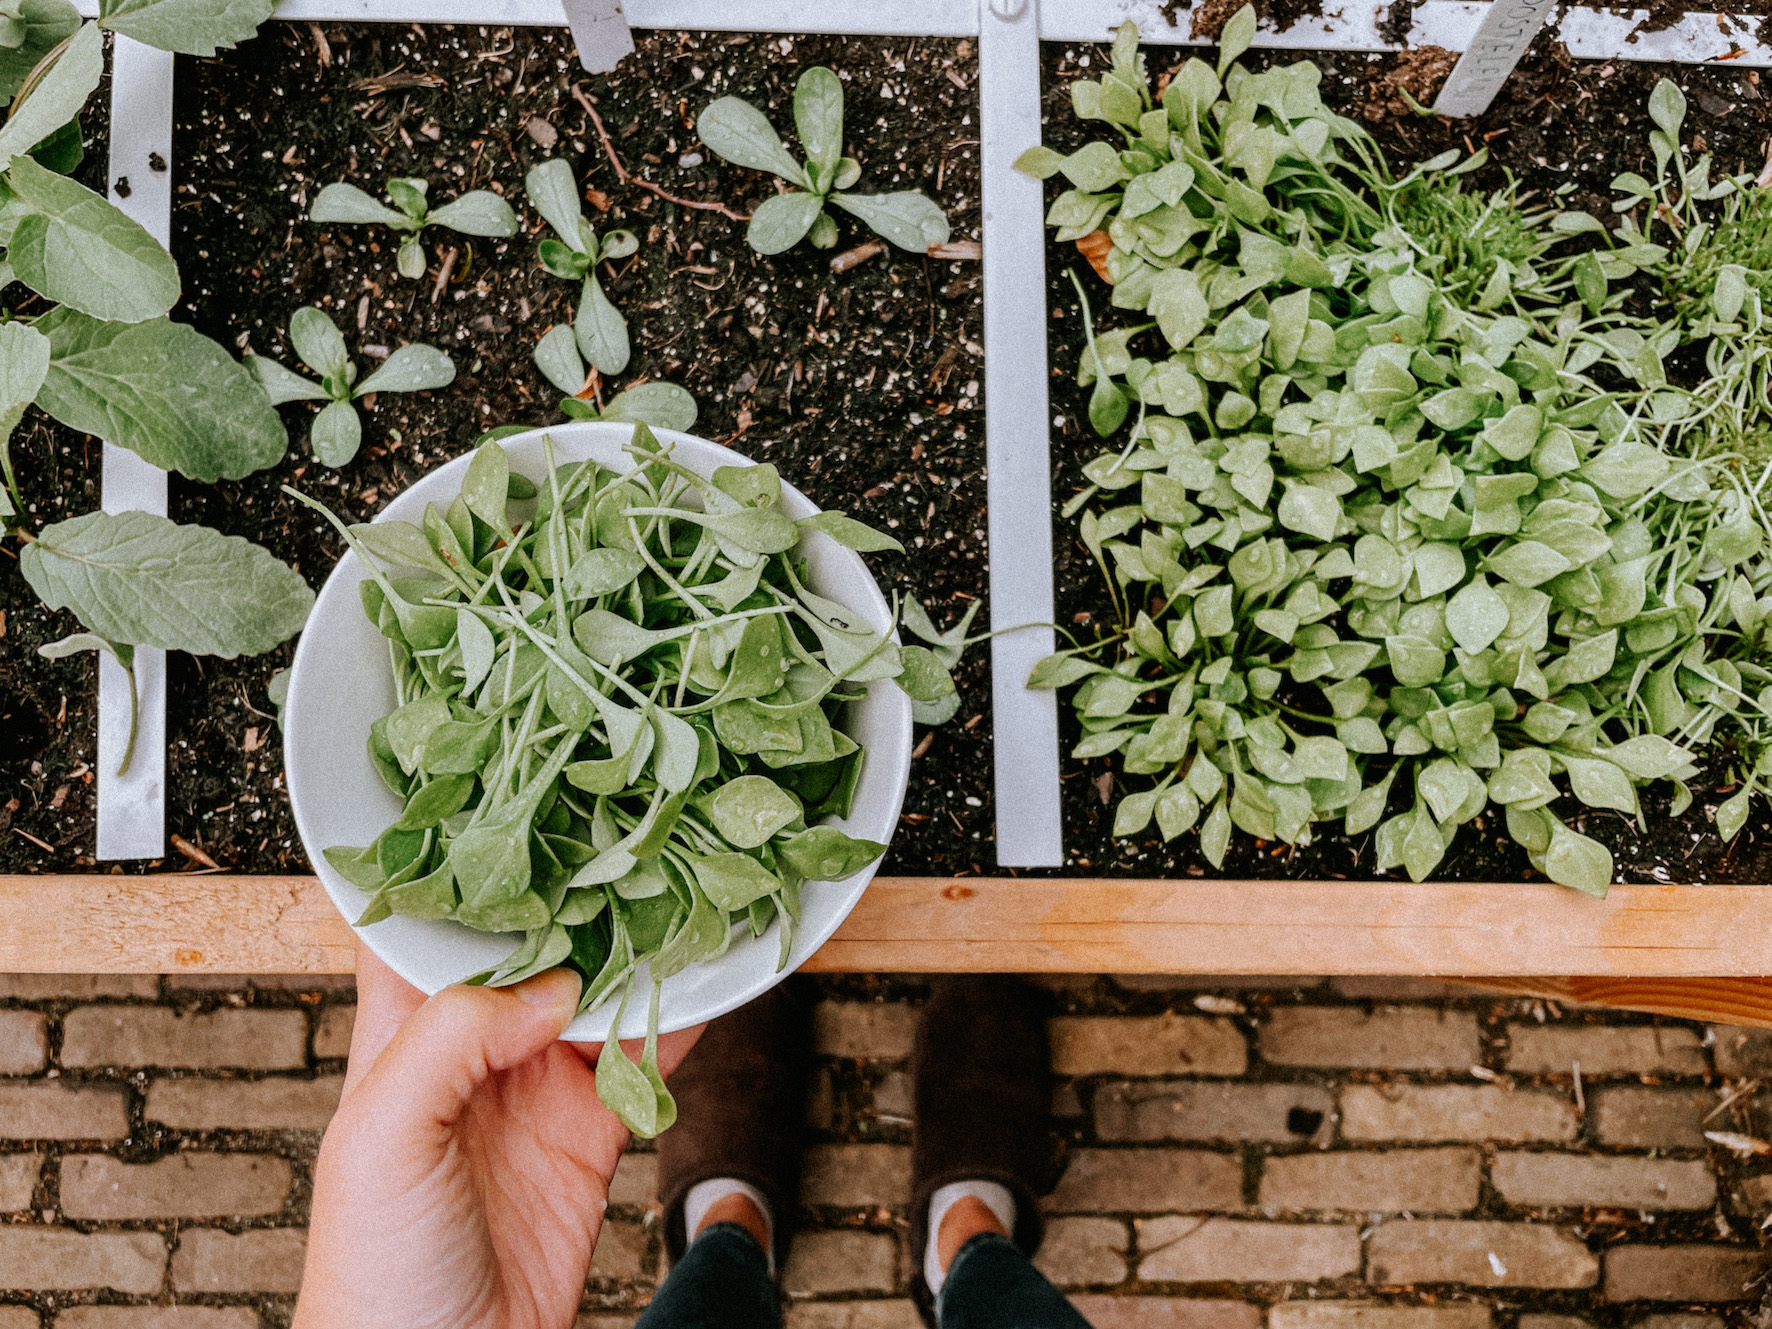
(131, 816)
(132, 806)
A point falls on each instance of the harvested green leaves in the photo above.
(1377, 528)
(616, 729)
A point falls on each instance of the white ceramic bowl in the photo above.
(340, 684)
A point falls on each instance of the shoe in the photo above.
(741, 1102)
(982, 1080)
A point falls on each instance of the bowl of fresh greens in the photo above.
(600, 696)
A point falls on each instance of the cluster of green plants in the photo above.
(1409, 519)
(617, 727)
(90, 344)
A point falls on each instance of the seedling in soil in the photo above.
(661, 405)
(742, 135)
(602, 331)
(336, 431)
(477, 212)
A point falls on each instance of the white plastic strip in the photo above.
(1018, 467)
(1508, 29)
(132, 808)
(1603, 34)
(915, 18)
(1351, 27)
(600, 31)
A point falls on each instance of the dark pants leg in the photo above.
(992, 1285)
(722, 1282)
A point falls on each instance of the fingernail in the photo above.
(556, 988)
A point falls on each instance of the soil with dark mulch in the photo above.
(1558, 124)
(861, 386)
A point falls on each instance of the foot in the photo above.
(736, 1208)
(741, 1097)
(983, 1114)
(966, 1218)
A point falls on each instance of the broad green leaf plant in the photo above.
(478, 212)
(659, 404)
(574, 253)
(105, 360)
(337, 431)
(618, 727)
(1387, 541)
(741, 134)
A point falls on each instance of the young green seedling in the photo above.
(336, 430)
(477, 212)
(661, 405)
(123, 654)
(740, 133)
(601, 330)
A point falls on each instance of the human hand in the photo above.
(463, 1181)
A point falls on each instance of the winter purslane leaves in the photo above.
(1382, 549)
(620, 728)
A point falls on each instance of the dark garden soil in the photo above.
(861, 386)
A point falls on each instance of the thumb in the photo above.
(459, 1038)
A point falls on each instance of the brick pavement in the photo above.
(1355, 1154)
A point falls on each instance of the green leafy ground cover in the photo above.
(1403, 515)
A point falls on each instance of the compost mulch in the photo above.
(862, 386)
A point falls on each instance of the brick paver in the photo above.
(197, 1185)
(1374, 1315)
(1682, 1273)
(18, 1179)
(1454, 1112)
(1188, 1249)
(24, 1042)
(50, 1110)
(1559, 1181)
(841, 1261)
(276, 1104)
(895, 1313)
(1149, 1181)
(1640, 1118)
(157, 1036)
(1480, 1254)
(855, 1175)
(1341, 1154)
(1213, 1110)
(1423, 1181)
(1602, 1050)
(332, 1032)
(1147, 1045)
(866, 1030)
(157, 1317)
(1139, 1312)
(1398, 1038)
(257, 1260)
(1081, 1252)
(33, 1258)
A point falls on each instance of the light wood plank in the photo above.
(244, 924)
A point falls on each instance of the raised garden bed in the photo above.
(863, 387)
